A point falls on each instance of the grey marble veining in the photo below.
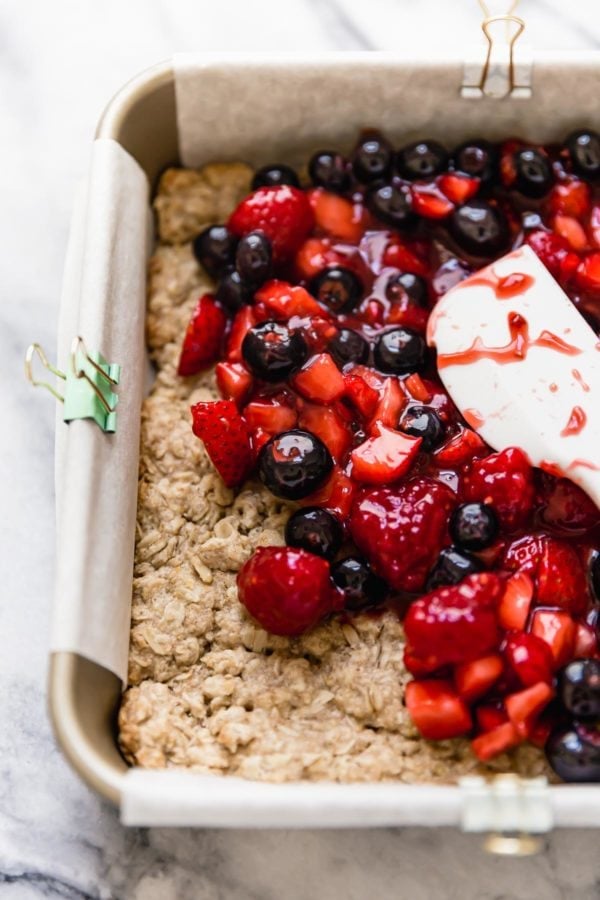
(59, 63)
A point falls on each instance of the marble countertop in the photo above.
(60, 62)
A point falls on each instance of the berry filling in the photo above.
(331, 398)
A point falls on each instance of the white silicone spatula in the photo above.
(523, 366)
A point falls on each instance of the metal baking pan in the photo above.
(147, 119)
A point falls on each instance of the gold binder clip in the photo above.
(500, 76)
(89, 383)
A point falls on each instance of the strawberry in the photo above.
(490, 716)
(554, 252)
(514, 606)
(392, 401)
(558, 630)
(529, 657)
(505, 481)
(234, 381)
(314, 255)
(474, 679)
(429, 201)
(524, 707)
(203, 337)
(363, 397)
(329, 426)
(281, 212)
(460, 449)
(401, 530)
(588, 272)
(417, 388)
(571, 230)
(458, 187)
(436, 710)
(566, 507)
(594, 225)
(285, 589)
(320, 379)
(496, 741)
(335, 496)
(283, 300)
(456, 623)
(401, 255)
(271, 416)
(586, 644)
(385, 456)
(226, 438)
(554, 567)
(570, 198)
(243, 321)
(338, 217)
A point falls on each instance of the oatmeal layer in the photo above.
(208, 688)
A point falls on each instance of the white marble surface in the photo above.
(59, 63)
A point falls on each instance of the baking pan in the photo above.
(192, 110)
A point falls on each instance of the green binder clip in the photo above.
(89, 382)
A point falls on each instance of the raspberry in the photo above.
(456, 623)
(401, 530)
(286, 590)
(505, 481)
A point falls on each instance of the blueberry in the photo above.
(232, 292)
(273, 352)
(372, 158)
(474, 526)
(214, 248)
(338, 288)
(253, 257)
(451, 566)
(274, 175)
(477, 158)
(400, 352)
(479, 228)
(391, 204)
(572, 758)
(423, 159)
(361, 587)
(594, 574)
(534, 172)
(405, 284)
(329, 170)
(579, 688)
(423, 422)
(348, 347)
(315, 530)
(293, 464)
(584, 150)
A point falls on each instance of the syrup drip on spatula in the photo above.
(523, 366)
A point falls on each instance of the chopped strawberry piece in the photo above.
(419, 665)
(436, 710)
(417, 388)
(572, 231)
(320, 379)
(258, 439)
(281, 212)
(554, 252)
(594, 225)
(203, 337)
(287, 590)
(456, 623)
(586, 644)
(401, 255)
(558, 630)
(505, 481)
(567, 507)
(561, 579)
(314, 255)
(458, 187)
(243, 321)
(460, 449)
(496, 741)
(588, 272)
(401, 530)
(386, 456)
(226, 438)
(363, 397)
(283, 300)
(524, 707)
(513, 609)
(490, 716)
(429, 201)
(392, 401)
(337, 216)
(529, 657)
(335, 496)
(541, 729)
(270, 416)
(234, 381)
(474, 679)
(328, 425)
(570, 198)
